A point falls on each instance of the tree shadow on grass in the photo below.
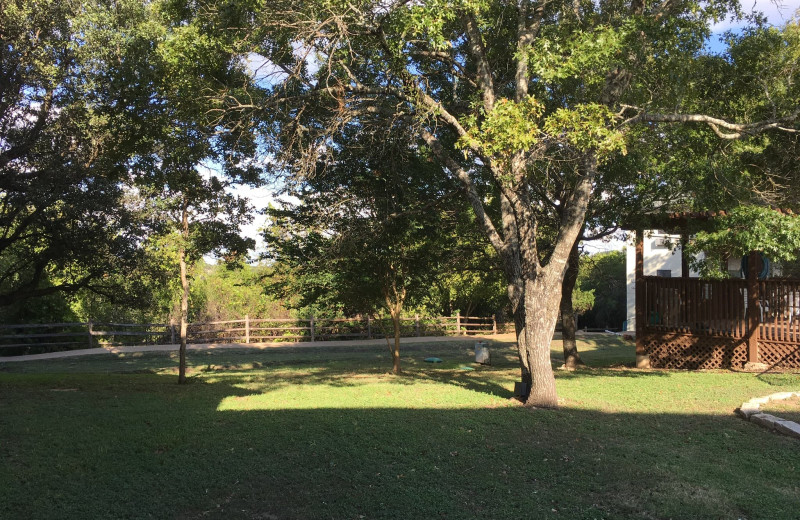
(142, 446)
(582, 372)
(336, 367)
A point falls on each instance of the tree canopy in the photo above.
(64, 154)
(526, 104)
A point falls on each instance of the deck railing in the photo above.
(719, 307)
(779, 310)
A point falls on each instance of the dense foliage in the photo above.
(603, 276)
(66, 141)
(740, 231)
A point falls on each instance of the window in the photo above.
(664, 273)
(660, 243)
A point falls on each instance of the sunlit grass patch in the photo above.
(360, 392)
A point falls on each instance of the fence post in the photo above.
(172, 333)
(89, 328)
(753, 307)
(416, 323)
(247, 328)
(494, 325)
(369, 327)
(458, 323)
(642, 357)
(312, 328)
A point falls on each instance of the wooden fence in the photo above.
(37, 338)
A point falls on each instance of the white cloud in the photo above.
(778, 12)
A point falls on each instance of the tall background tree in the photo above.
(66, 139)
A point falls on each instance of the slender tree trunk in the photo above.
(572, 358)
(516, 287)
(395, 312)
(184, 294)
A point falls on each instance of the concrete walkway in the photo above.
(254, 346)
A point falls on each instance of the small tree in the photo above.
(190, 167)
(364, 236)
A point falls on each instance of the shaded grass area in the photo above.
(330, 434)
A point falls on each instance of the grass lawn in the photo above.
(328, 433)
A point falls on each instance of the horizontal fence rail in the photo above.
(48, 337)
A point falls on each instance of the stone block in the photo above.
(755, 367)
(764, 419)
(759, 400)
(780, 396)
(642, 361)
(748, 409)
(789, 428)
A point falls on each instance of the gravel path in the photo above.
(256, 346)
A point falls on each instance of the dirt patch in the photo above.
(788, 409)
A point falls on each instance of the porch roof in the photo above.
(679, 220)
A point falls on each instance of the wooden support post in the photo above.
(313, 338)
(494, 325)
(172, 333)
(753, 307)
(369, 327)
(684, 257)
(642, 358)
(89, 330)
(458, 323)
(416, 323)
(247, 328)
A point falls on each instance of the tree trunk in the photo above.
(516, 287)
(572, 358)
(542, 296)
(184, 294)
(543, 290)
(519, 330)
(395, 312)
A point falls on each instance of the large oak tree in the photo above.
(528, 100)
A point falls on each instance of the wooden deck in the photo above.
(694, 323)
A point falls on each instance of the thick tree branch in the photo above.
(736, 130)
(526, 33)
(17, 151)
(573, 217)
(476, 48)
(472, 193)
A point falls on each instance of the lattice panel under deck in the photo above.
(779, 355)
(671, 350)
